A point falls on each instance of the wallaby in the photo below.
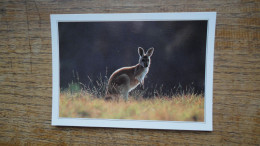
(125, 79)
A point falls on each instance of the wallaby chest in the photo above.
(141, 73)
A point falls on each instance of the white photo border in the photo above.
(207, 125)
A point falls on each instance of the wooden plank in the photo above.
(26, 74)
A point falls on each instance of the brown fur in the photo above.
(126, 79)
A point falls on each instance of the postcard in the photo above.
(133, 70)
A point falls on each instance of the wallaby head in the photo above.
(145, 58)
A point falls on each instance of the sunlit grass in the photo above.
(87, 101)
(178, 108)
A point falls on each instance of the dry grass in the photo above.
(178, 108)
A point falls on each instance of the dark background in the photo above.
(94, 48)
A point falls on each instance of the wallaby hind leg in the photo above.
(124, 84)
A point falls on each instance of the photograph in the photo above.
(132, 70)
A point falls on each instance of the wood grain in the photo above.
(26, 74)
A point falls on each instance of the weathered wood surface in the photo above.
(26, 74)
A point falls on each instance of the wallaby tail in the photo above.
(108, 98)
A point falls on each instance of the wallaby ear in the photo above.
(140, 51)
(150, 52)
